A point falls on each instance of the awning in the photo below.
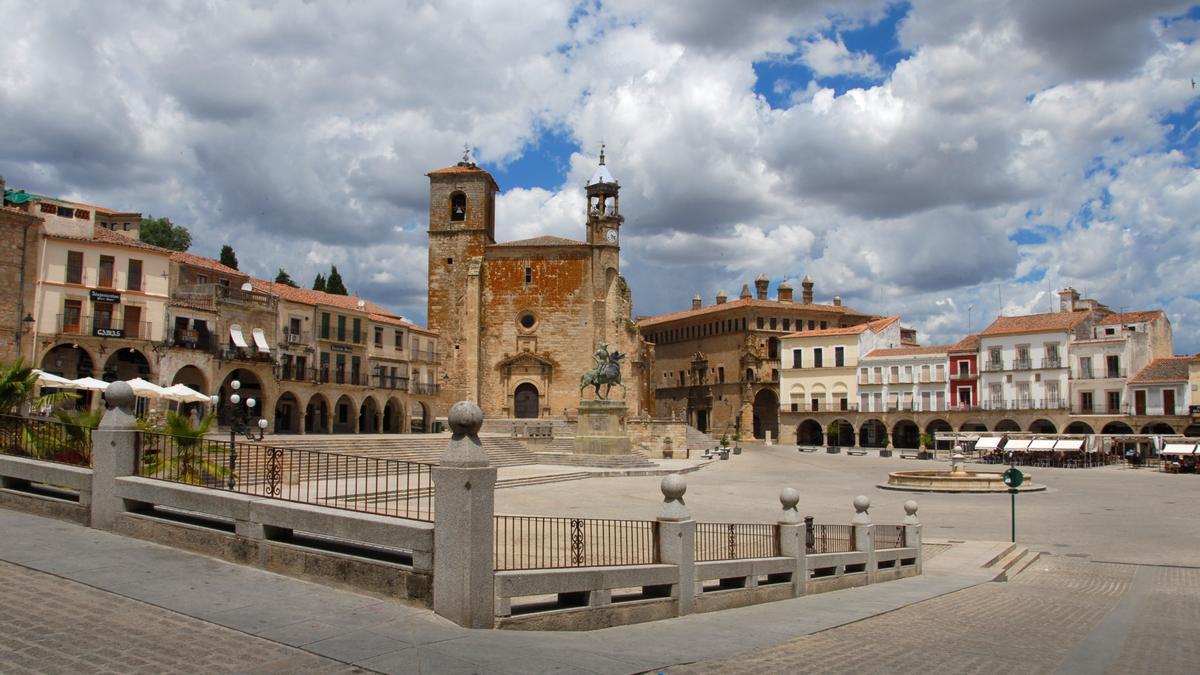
(1016, 444)
(1041, 445)
(260, 341)
(185, 394)
(51, 380)
(90, 383)
(1178, 449)
(235, 334)
(145, 388)
(1073, 444)
(988, 442)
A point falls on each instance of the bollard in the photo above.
(793, 539)
(114, 454)
(864, 534)
(677, 540)
(912, 532)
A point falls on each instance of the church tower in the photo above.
(462, 223)
(604, 221)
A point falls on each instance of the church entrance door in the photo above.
(525, 401)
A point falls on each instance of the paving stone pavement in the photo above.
(1061, 615)
(79, 629)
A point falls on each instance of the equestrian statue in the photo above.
(607, 372)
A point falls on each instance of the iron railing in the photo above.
(544, 542)
(889, 536)
(384, 487)
(46, 440)
(829, 538)
(736, 541)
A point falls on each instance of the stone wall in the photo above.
(650, 436)
(19, 234)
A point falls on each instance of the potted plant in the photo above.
(832, 434)
(886, 450)
(926, 443)
(737, 446)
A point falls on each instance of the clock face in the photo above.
(611, 236)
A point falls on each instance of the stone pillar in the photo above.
(114, 454)
(677, 540)
(864, 534)
(463, 566)
(793, 540)
(912, 532)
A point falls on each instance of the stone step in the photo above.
(1013, 563)
(608, 461)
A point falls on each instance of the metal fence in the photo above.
(385, 487)
(47, 440)
(542, 542)
(889, 536)
(829, 538)
(736, 541)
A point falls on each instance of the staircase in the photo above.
(1012, 561)
(422, 448)
(698, 441)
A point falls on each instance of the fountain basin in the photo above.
(954, 481)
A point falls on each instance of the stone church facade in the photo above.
(519, 320)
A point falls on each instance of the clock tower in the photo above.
(603, 207)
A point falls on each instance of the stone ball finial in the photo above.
(673, 487)
(119, 395)
(910, 507)
(465, 418)
(789, 498)
(862, 503)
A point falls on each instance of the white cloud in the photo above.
(830, 57)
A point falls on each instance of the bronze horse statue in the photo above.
(607, 372)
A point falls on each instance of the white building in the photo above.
(904, 379)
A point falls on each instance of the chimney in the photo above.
(785, 291)
(745, 295)
(721, 297)
(760, 286)
(837, 301)
(696, 301)
(807, 294)
(1067, 298)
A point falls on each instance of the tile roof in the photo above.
(968, 344)
(1049, 322)
(463, 168)
(875, 326)
(1131, 317)
(1169, 369)
(910, 351)
(744, 302)
(307, 296)
(207, 263)
(101, 235)
(541, 241)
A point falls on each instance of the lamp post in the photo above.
(239, 423)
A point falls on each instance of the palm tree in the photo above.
(183, 454)
(17, 382)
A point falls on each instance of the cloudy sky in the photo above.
(945, 161)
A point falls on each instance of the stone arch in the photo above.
(1078, 427)
(70, 361)
(457, 206)
(838, 393)
(127, 363)
(843, 433)
(906, 434)
(419, 422)
(938, 426)
(1043, 426)
(287, 414)
(809, 432)
(317, 417)
(368, 416)
(796, 397)
(526, 401)
(1007, 424)
(819, 401)
(251, 388)
(1192, 430)
(1158, 428)
(973, 425)
(1117, 428)
(766, 413)
(393, 416)
(191, 376)
(345, 415)
(872, 434)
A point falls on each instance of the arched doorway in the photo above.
(973, 426)
(810, 433)
(251, 388)
(344, 416)
(368, 417)
(316, 415)
(906, 434)
(1043, 427)
(1007, 425)
(126, 363)
(872, 434)
(191, 376)
(393, 417)
(842, 433)
(1158, 428)
(1192, 430)
(1116, 429)
(766, 414)
(71, 362)
(1078, 428)
(526, 403)
(420, 415)
(287, 414)
(936, 427)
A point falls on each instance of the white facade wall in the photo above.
(1029, 385)
(916, 383)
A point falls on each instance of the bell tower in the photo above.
(604, 207)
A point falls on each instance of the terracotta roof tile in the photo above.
(968, 344)
(875, 326)
(463, 168)
(1131, 317)
(1049, 322)
(910, 351)
(1169, 369)
(541, 241)
(745, 302)
(104, 236)
(207, 263)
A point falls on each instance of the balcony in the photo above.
(74, 324)
(425, 356)
(1023, 363)
(291, 337)
(1088, 374)
(390, 382)
(424, 388)
(231, 352)
(209, 296)
(964, 375)
(192, 339)
(993, 366)
(1026, 404)
(1052, 362)
(296, 372)
(823, 406)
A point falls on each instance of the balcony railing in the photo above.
(993, 366)
(424, 388)
(234, 353)
(290, 337)
(209, 295)
(1023, 363)
(425, 356)
(192, 339)
(958, 375)
(70, 324)
(390, 382)
(1026, 404)
(823, 406)
(1052, 362)
(1087, 374)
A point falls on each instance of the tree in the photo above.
(17, 382)
(334, 283)
(228, 257)
(284, 278)
(319, 283)
(161, 232)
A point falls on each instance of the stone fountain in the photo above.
(957, 479)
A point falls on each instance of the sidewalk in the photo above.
(390, 637)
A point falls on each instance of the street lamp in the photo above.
(239, 423)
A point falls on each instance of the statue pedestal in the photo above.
(600, 431)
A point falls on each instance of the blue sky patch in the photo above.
(1027, 236)
(543, 164)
